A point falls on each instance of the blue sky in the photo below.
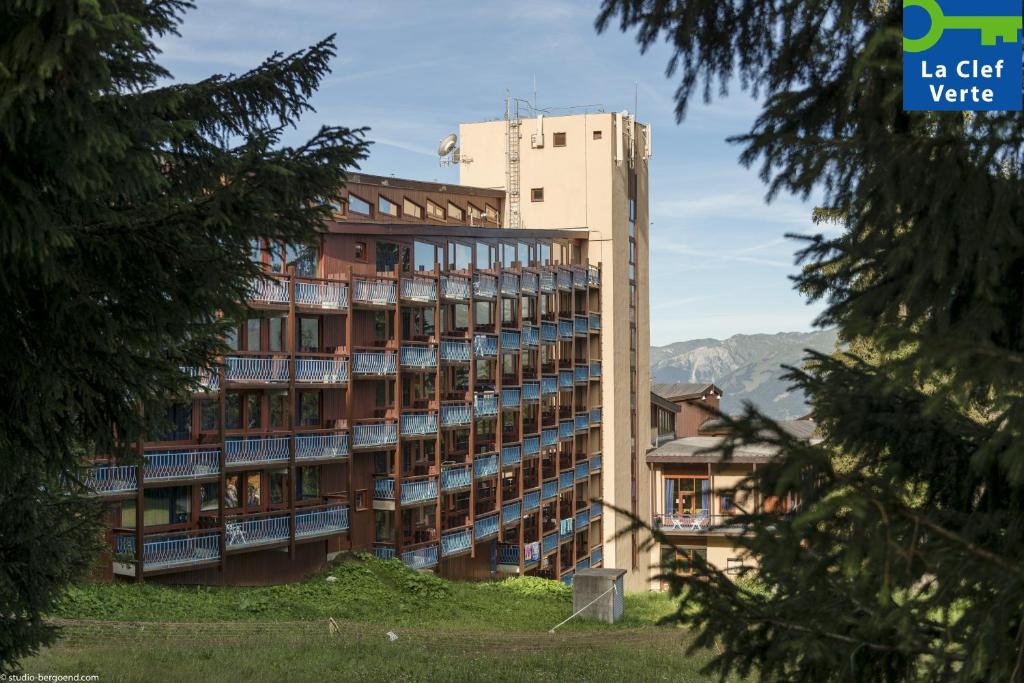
(413, 70)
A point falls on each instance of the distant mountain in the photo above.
(745, 366)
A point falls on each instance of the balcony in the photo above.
(565, 330)
(509, 341)
(509, 283)
(268, 291)
(581, 325)
(170, 551)
(582, 423)
(485, 466)
(547, 281)
(420, 558)
(511, 455)
(374, 363)
(582, 470)
(455, 415)
(455, 288)
(583, 564)
(595, 369)
(485, 345)
(565, 379)
(456, 542)
(418, 357)
(564, 280)
(596, 556)
(328, 296)
(418, 492)
(531, 392)
(548, 386)
(531, 446)
(595, 416)
(181, 464)
(549, 490)
(596, 510)
(548, 333)
(256, 450)
(531, 336)
(595, 322)
(374, 435)
(419, 290)
(105, 480)
(208, 380)
(455, 351)
(595, 464)
(593, 276)
(549, 437)
(582, 519)
(242, 534)
(508, 555)
(321, 370)
(566, 428)
(485, 527)
(321, 446)
(455, 478)
(485, 405)
(418, 424)
(256, 370)
(531, 501)
(510, 397)
(383, 489)
(565, 528)
(582, 375)
(698, 522)
(384, 552)
(485, 286)
(374, 292)
(529, 283)
(579, 277)
(550, 543)
(565, 480)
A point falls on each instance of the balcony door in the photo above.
(687, 495)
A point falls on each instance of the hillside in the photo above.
(747, 367)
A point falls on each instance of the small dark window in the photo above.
(597, 135)
(361, 251)
(537, 194)
(559, 140)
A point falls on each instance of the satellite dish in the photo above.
(447, 145)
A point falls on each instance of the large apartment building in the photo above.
(429, 384)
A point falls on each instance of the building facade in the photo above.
(428, 384)
(591, 170)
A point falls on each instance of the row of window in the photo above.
(354, 204)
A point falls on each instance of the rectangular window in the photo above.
(233, 410)
(597, 135)
(435, 211)
(725, 505)
(358, 205)
(276, 334)
(491, 213)
(485, 254)
(231, 339)
(424, 255)
(308, 484)
(304, 259)
(360, 251)
(253, 490)
(455, 212)
(232, 488)
(278, 486)
(387, 207)
(411, 209)
(559, 140)
(483, 314)
(361, 499)
(180, 417)
(209, 415)
(309, 409)
(277, 399)
(508, 311)
(164, 505)
(309, 335)
(475, 214)
(252, 334)
(537, 194)
(209, 497)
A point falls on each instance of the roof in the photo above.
(421, 185)
(439, 230)
(664, 403)
(800, 428)
(700, 449)
(679, 390)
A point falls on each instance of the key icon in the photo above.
(992, 28)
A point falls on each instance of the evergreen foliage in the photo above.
(905, 558)
(128, 204)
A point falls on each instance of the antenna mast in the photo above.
(512, 136)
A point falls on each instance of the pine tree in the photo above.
(905, 558)
(128, 204)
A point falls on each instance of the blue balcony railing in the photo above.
(547, 281)
(565, 330)
(384, 552)
(318, 446)
(564, 280)
(511, 455)
(256, 450)
(171, 550)
(485, 345)
(582, 470)
(249, 533)
(485, 286)
(510, 341)
(582, 519)
(181, 464)
(595, 416)
(582, 374)
(455, 414)
(531, 446)
(485, 466)
(325, 295)
(511, 513)
(579, 277)
(583, 564)
(374, 363)
(595, 322)
(485, 527)
(550, 543)
(485, 405)
(418, 424)
(565, 480)
(509, 283)
(375, 434)
(508, 554)
(453, 287)
(374, 292)
(321, 370)
(582, 324)
(510, 397)
(418, 356)
(383, 489)
(107, 479)
(419, 289)
(263, 370)
(566, 429)
(531, 336)
(531, 392)
(456, 542)
(596, 556)
(595, 463)
(582, 422)
(531, 501)
(549, 490)
(567, 579)
(414, 492)
(529, 282)
(548, 386)
(593, 276)
(565, 379)
(455, 351)
(549, 437)
(455, 478)
(420, 558)
(596, 510)
(548, 333)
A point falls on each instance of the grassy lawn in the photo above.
(336, 630)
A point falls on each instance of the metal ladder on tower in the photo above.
(512, 136)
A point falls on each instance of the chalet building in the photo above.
(691, 486)
(428, 384)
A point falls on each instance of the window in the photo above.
(483, 314)
(360, 500)
(390, 254)
(725, 504)
(485, 254)
(361, 251)
(734, 566)
(508, 254)
(597, 135)
(309, 408)
(231, 339)
(276, 401)
(387, 207)
(253, 490)
(508, 311)
(307, 484)
(180, 417)
(209, 415)
(255, 253)
(276, 334)
(492, 214)
(233, 410)
(435, 211)
(278, 486)
(165, 505)
(455, 212)
(233, 485)
(459, 256)
(252, 334)
(309, 335)
(423, 255)
(276, 259)
(252, 410)
(411, 209)
(537, 194)
(209, 497)
(358, 205)
(303, 258)
(475, 214)
(681, 562)
(559, 140)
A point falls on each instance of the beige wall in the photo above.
(586, 187)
